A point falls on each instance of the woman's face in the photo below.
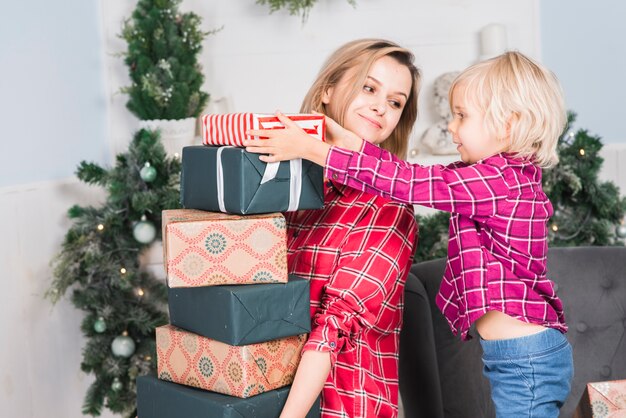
(376, 110)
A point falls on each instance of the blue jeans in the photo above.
(529, 376)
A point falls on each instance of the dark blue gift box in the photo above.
(243, 314)
(243, 183)
(161, 399)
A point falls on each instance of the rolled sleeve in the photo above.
(365, 291)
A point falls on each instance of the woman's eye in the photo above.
(369, 89)
(460, 115)
(396, 104)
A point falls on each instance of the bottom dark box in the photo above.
(161, 399)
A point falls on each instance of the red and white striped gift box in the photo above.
(230, 128)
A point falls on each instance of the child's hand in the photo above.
(286, 144)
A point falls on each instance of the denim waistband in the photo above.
(542, 342)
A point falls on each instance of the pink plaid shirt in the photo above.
(498, 229)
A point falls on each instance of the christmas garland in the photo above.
(295, 7)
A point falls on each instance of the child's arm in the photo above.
(311, 375)
(471, 190)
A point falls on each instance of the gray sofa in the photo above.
(441, 376)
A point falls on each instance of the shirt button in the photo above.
(332, 344)
(335, 176)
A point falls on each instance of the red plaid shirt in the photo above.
(498, 230)
(356, 252)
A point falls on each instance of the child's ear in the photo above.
(510, 122)
(327, 95)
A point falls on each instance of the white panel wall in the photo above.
(42, 344)
(260, 63)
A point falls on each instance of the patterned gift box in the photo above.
(204, 248)
(242, 371)
(240, 315)
(160, 399)
(603, 400)
(232, 180)
(230, 129)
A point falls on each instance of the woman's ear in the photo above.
(327, 95)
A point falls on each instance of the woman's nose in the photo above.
(379, 106)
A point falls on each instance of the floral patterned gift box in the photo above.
(242, 371)
(211, 248)
(603, 400)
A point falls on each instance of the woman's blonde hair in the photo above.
(361, 54)
(520, 97)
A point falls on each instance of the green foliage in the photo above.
(90, 263)
(432, 239)
(586, 210)
(295, 7)
(163, 46)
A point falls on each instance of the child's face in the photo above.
(474, 141)
(376, 110)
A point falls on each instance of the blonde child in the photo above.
(357, 250)
(508, 115)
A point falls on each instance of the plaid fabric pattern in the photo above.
(498, 229)
(356, 252)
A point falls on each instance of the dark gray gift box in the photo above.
(161, 399)
(243, 314)
(241, 176)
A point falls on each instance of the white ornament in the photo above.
(123, 346)
(144, 231)
(437, 139)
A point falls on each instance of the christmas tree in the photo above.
(99, 261)
(163, 46)
(587, 211)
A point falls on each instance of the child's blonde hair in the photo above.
(520, 97)
(361, 54)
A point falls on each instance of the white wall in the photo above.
(260, 62)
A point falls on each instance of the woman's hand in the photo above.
(340, 137)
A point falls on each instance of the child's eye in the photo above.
(368, 89)
(460, 115)
(395, 104)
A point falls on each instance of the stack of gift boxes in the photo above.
(238, 321)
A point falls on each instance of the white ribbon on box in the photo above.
(271, 169)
